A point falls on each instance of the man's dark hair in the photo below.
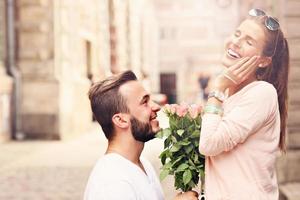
(106, 100)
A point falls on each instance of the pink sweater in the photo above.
(241, 147)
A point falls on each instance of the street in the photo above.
(58, 170)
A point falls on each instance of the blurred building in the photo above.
(192, 34)
(54, 50)
(5, 81)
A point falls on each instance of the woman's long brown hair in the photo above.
(276, 47)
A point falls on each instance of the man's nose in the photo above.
(155, 107)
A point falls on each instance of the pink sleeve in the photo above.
(251, 112)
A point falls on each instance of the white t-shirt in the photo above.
(114, 178)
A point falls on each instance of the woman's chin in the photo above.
(227, 62)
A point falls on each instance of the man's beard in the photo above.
(141, 131)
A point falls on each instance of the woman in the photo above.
(242, 133)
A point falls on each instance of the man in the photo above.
(128, 119)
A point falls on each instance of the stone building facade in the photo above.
(6, 82)
(59, 53)
(64, 46)
(134, 39)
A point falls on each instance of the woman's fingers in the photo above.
(249, 70)
(229, 72)
(246, 65)
(239, 64)
(241, 70)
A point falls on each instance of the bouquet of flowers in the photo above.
(181, 157)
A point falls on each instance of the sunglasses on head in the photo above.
(271, 23)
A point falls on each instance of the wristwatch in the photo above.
(218, 95)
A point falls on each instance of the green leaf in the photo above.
(175, 148)
(168, 165)
(180, 132)
(199, 120)
(163, 174)
(163, 159)
(163, 156)
(192, 167)
(191, 163)
(159, 134)
(188, 149)
(173, 123)
(177, 160)
(196, 143)
(178, 181)
(202, 173)
(167, 132)
(191, 128)
(167, 143)
(187, 177)
(186, 122)
(195, 158)
(174, 140)
(191, 184)
(182, 167)
(195, 134)
(163, 153)
(184, 143)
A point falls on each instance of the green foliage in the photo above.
(180, 157)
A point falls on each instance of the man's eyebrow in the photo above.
(145, 97)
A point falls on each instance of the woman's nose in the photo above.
(236, 42)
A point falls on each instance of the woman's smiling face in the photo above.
(248, 40)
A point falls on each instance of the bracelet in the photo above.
(213, 109)
(218, 95)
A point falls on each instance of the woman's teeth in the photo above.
(233, 54)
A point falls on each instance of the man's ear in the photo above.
(264, 62)
(121, 120)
